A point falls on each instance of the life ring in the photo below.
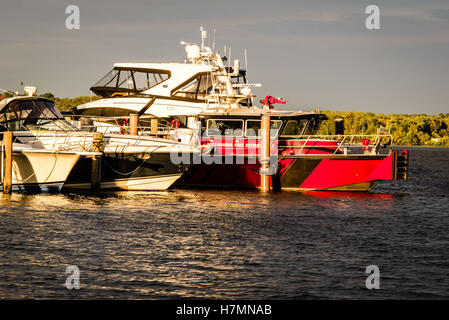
(123, 123)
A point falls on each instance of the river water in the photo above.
(233, 244)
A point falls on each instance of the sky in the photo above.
(315, 54)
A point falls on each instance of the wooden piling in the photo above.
(133, 124)
(154, 125)
(7, 162)
(265, 152)
(97, 146)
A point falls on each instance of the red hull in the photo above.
(299, 172)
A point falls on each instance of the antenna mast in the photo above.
(203, 36)
(246, 67)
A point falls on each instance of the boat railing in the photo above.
(340, 144)
(121, 125)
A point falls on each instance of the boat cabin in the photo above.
(31, 113)
(283, 125)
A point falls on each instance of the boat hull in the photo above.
(298, 172)
(41, 171)
(128, 172)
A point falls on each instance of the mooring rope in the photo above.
(132, 171)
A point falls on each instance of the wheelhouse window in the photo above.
(294, 127)
(253, 128)
(125, 81)
(217, 127)
(301, 127)
(312, 126)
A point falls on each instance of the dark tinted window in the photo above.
(224, 127)
(294, 127)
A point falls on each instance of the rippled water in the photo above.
(233, 244)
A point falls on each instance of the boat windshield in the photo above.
(126, 81)
(33, 114)
(301, 127)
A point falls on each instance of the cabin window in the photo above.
(189, 90)
(253, 128)
(294, 127)
(146, 80)
(139, 80)
(205, 86)
(312, 126)
(217, 127)
(124, 81)
(196, 89)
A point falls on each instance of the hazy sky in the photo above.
(313, 53)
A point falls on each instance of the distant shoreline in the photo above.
(419, 146)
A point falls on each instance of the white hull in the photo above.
(81, 141)
(153, 183)
(41, 170)
(160, 108)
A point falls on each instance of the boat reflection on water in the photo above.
(350, 195)
(353, 199)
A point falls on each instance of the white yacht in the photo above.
(203, 82)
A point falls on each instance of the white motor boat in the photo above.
(130, 162)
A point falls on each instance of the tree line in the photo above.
(406, 129)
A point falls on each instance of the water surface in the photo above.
(233, 244)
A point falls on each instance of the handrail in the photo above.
(344, 142)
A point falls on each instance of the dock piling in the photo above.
(97, 146)
(265, 152)
(133, 124)
(7, 162)
(154, 125)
